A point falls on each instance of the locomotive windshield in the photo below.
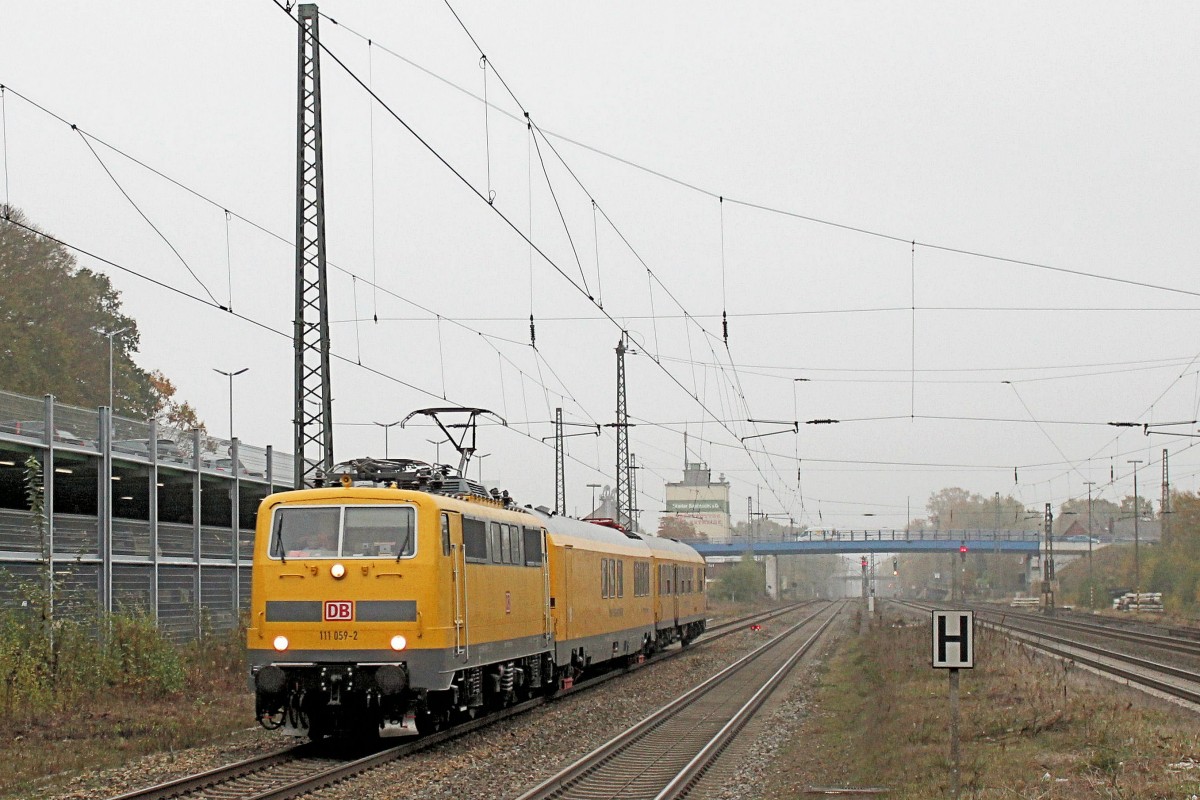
(344, 532)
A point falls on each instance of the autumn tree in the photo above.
(52, 312)
(171, 412)
(676, 527)
(954, 508)
(1145, 508)
(1104, 514)
(743, 581)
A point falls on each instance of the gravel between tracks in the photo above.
(161, 767)
(503, 760)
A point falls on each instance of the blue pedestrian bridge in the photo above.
(883, 541)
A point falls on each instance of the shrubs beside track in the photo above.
(1032, 727)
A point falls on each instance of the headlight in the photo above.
(399, 642)
(338, 571)
(281, 643)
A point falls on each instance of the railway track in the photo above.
(1171, 643)
(294, 771)
(1173, 681)
(662, 756)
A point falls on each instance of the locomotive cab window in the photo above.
(334, 532)
(305, 532)
(388, 532)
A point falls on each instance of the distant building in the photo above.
(701, 502)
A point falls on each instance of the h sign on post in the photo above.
(953, 639)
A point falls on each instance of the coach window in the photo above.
(533, 546)
(494, 542)
(379, 532)
(620, 579)
(641, 579)
(604, 577)
(514, 544)
(445, 534)
(504, 557)
(474, 540)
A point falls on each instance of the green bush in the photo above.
(48, 667)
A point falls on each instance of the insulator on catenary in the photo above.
(725, 326)
(532, 333)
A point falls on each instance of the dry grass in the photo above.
(113, 723)
(1031, 727)
(108, 732)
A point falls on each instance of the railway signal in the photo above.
(962, 552)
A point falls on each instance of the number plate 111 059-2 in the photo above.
(339, 636)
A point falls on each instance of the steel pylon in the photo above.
(313, 420)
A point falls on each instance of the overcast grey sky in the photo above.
(1060, 134)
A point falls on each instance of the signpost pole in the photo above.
(954, 734)
(953, 649)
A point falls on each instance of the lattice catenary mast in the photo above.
(313, 420)
(624, 468)
(560, 468)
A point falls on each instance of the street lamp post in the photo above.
(110, 335)
(593, 487)
(385, 426)
(437, 443)
(231, 376)
(1137, 568)
(1091, 586)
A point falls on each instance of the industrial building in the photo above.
(701, 502)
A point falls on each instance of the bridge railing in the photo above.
(883, 535)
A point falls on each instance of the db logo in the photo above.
(339, 611)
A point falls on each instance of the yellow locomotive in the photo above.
(406, 596)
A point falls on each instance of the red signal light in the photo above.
(864, 563)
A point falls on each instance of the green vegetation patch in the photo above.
(1031, 727)
(82, 694)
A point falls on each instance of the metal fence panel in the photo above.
(244, 581)
(79, 427)
(76, 535)
(217, 598)
(78, 591)
(133, 588)
(177, 612)
(131, 537)
(19, 585)
(216, 542)
(17, 532)
(246, 544)
(175, 540)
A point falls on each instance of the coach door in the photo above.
(452, 545)
(675, 592)
(548, 619)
